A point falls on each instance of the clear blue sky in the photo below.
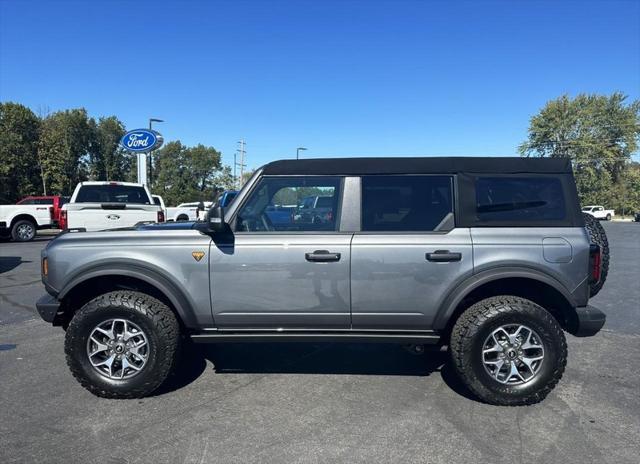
(341, 78)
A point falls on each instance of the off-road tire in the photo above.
(157, 321)
(598, 236)
(478, 322)
(23, 222)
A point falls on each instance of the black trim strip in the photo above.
(429, 338)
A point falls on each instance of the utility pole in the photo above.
(241, 151)
(235, 165)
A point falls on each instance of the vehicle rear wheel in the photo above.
(608, 217)
(598, 236)
(122, 344)
(508, 351)
(23, 231)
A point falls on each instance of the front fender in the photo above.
(147, 273)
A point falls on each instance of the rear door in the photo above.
(278, 271)
(409, 254)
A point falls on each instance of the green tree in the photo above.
(186, 174)
(107, 160)
(19, 168)
(67, 142)
(203, 163)
(598, 133)
(223, 179)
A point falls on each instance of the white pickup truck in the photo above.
(109, 205)
(186, 211)
(599, 212)
(21, 222)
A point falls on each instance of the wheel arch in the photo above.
(526, 283)
(98, 280)
(23, 216)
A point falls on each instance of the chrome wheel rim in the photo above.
(513, 354)
(24, 231)
(118, 349)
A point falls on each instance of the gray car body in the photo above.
(260, 283)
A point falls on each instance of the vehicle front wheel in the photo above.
(508, 351)
(122, 344)
(23, 231)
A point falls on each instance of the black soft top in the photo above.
(425, 165)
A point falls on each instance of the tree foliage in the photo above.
(19, 168)
(185, 174)
(108, 160)
(599, 134)
(67, 140)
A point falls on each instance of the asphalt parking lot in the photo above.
(320, 402)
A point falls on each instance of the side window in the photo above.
(44, 201)
(30, 201)
(519, 199)
(291, 204)
(405, 203)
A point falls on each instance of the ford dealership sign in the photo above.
(141, 140)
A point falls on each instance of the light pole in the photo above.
(298, 150)
(151, 121)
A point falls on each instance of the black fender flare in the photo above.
(451, 302)
(142, 271)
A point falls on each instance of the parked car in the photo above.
(636, 217)
(315, 209)
(55, 201)
(489, 257)
(109, 205)
(21, 222)
(226, 198)
(186, 211)
(599, 212)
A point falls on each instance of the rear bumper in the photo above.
(47, 307)
(590, 321)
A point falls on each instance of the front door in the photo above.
(285, 265)
(409, 254)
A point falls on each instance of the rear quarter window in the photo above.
(519, 199)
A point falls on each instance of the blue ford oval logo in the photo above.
(141, 140)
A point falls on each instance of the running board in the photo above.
(419, 338)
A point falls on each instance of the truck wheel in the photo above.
(23, 231)
(122, 344)
(182, 217)
(608, 217)
(598, 236)
(508, 351)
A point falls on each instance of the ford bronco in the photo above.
(490, 257)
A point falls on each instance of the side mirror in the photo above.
(215, 218)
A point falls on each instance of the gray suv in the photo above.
(488, 256)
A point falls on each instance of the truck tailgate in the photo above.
(100, 216)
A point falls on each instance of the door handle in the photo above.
(443, 256)
(322, 256)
